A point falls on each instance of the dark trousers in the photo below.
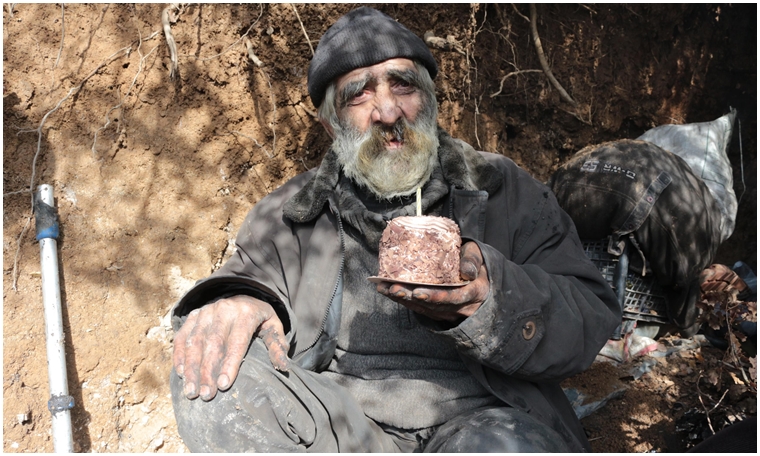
(270, 411)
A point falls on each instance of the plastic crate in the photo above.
(644, 298)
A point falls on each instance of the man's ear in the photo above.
(328, 127)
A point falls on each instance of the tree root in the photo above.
(303, 28)
(258, 144)
(449, 44)
(514, 73)
(259, 64)
(274, 114)
(243, 37)
(542, 57)
(125, 50)
(251, 55)
(168, 17)
(63, 31)
(129, 90)
(14, 286)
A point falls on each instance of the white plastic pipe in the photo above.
(60, 403)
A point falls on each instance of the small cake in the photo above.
(423, 249)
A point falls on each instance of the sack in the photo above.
(635, 190)
(704, 146)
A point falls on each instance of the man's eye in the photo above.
(403, 87)
(358, 97)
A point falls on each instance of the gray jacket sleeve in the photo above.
(549, 311)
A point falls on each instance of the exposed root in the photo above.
(274, 112)
(578, 116)
(519, 13)
(542, 57)
(303, 28)
(444, 44)
(17, 192)
(38, 130)
(251, 55)
(594, 12)
(477, 113)
(129, 90)
(243, 37)
(63, 31)
(259, 145)
(168, 17)
(509, 75)
(313, 114)
(14, 287)
(259, 64)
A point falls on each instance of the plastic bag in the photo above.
(704, 147)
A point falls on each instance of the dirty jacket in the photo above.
(548, 313)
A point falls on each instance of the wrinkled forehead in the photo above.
(378, 71)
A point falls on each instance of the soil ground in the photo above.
(153, 176)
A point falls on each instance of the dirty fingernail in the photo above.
(190, 391)
(422, 297)
(205, 392)
(469, 271)
(223, 381)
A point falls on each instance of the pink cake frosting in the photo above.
(421, 249)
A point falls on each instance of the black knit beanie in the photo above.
(363, 37)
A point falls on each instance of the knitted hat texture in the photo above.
(363, 37)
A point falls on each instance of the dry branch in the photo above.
(707, 412)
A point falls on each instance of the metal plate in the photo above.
(419, 284)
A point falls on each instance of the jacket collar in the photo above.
(462, 167)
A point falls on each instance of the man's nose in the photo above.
(387, 110)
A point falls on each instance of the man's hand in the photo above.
(210, 346)
(443, 303)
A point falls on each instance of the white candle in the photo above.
(419, 201)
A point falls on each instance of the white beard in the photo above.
(367, 162)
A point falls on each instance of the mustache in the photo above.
(386, 133)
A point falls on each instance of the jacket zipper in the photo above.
(335, 288)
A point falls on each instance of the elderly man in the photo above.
(290, 348)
